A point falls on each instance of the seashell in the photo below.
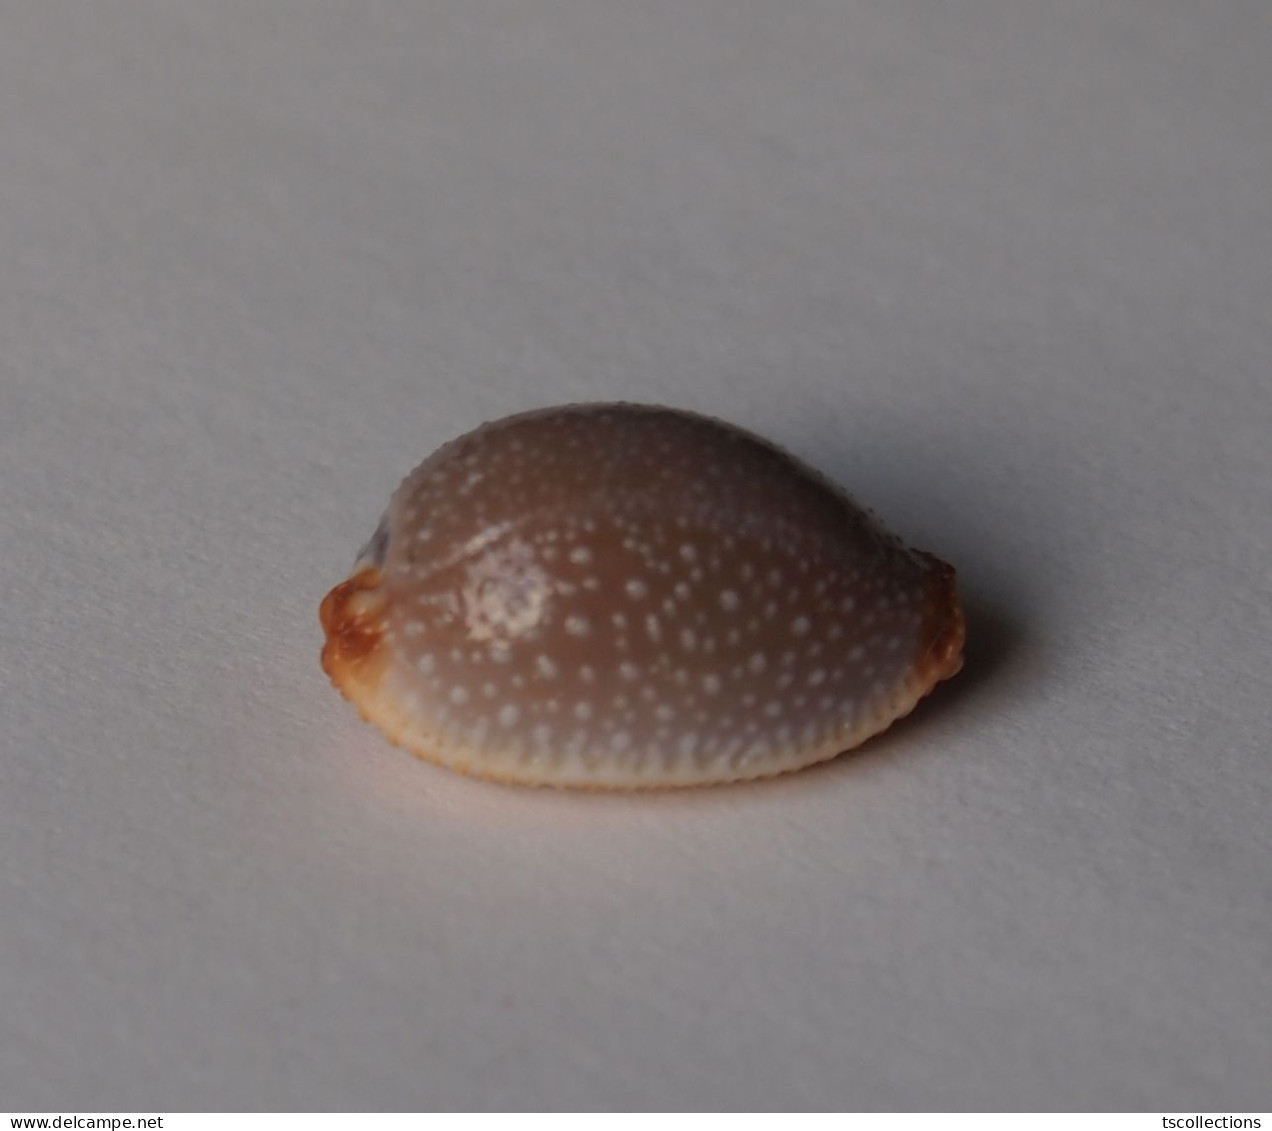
(616, 596)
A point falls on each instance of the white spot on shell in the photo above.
(545, 667)
(505, 592)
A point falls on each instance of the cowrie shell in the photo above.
(618, 596)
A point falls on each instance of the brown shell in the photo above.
(619, 596)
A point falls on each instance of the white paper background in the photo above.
(1002, 268)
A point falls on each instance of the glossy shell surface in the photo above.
(618, 596)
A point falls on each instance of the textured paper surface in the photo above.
(1003, 269)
